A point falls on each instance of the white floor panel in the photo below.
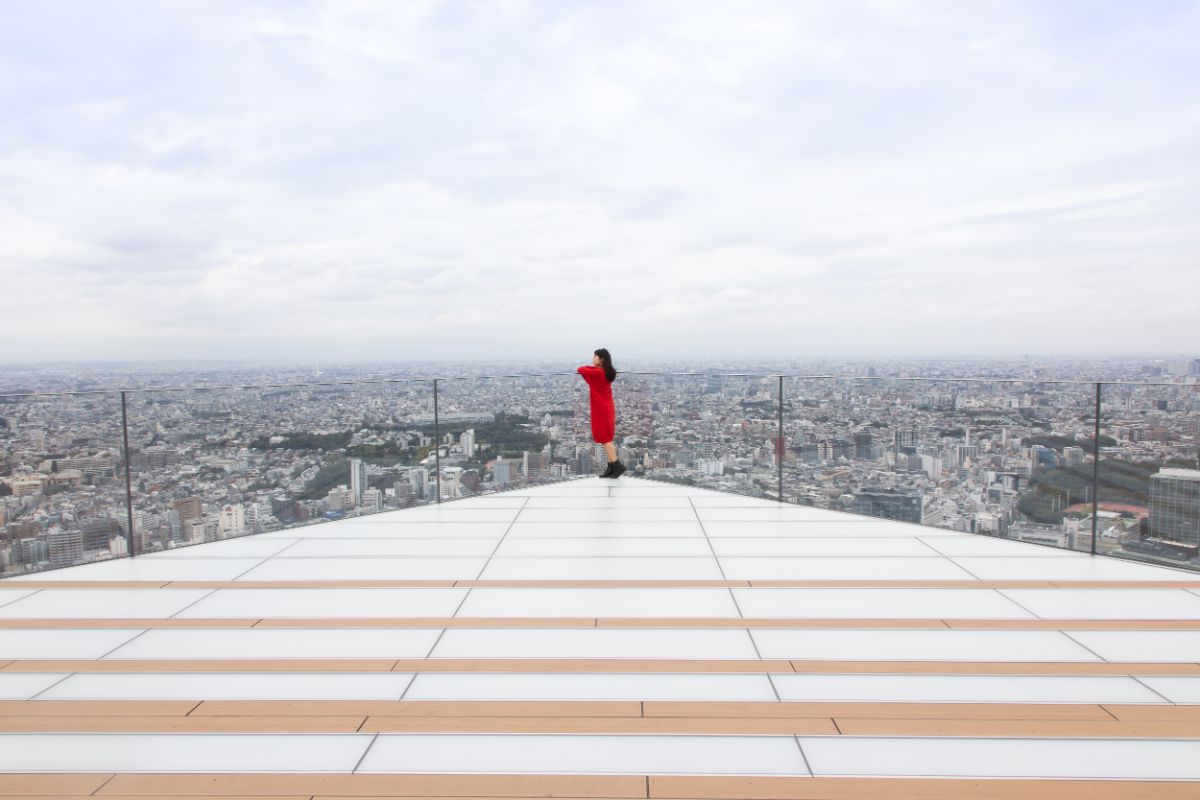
(575, 515)
(1108, 603)
(180, 752)
(822, 529)
(622, 501)
(773, 513)
(504, 686)
(602, 569)
(961, 689)
(919, 645)
(245, 547)
(24, 685)
(1002, 758)
(326, 603)
(11, 595)
(105, 603)
(575, 754)
(730, 501)
(832, 568)
(1092, 568)
(231, 686)
(604, 548)
(814, 547)
(1182, 690)
(334, 569)
(878, 604)
(604, 530)
(977, 545)
(149, 569)
(439, 547)
(88, 643)
(1170, 646)
(445, 513)
(599, 603)
(595, 643)
(399, 530)
(283, 643)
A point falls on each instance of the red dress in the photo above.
(604, 415)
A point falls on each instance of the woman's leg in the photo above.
(610, 450)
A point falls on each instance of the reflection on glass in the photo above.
(498, 434)
(1004, 459)
(1149, 495)
(62, 481)
(213, 464)
(713, 431)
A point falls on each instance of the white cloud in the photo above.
(408, 180)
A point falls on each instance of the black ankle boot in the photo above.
(618, 469)
(608, 472)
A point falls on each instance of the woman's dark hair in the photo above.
(606, 363)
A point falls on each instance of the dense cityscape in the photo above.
(244, 449)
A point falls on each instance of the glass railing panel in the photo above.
(713, 431)
(214, 464)
(509, 432)
(62, 481)
(1149, 481)
(1005, 459)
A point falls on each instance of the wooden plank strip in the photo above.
(996, 668)
(598, 725)
(769, 788)
(421, 708)
(359, 785)
(206, 665)
(56, 624)
(134, 724)
(1074, 624)
(1166, 713)
(96, 708)
(43, 785)
(885, 710)
(432, 622)
(1070, 729)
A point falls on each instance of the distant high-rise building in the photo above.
(358, 480)
(66, 548)
(232, 521)
(188, 508)
(1194, 368)
(862, 445)
(889, 504)
(467, 440)
(502, 472)
(1175, 505)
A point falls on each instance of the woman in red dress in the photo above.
(599, 377)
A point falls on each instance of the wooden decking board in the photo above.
(1172, 713)
(889, 710)
(132, 724)
(820, 788)
(600, 725)
(1019, 729)
(362, 785)
(421, 708)
(96, 708)
(1081, 668)
(43, 785)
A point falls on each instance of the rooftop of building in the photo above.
(603, 639)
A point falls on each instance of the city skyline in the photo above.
(306, 181)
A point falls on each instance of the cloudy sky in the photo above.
(425, 180)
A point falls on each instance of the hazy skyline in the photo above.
(384, 181)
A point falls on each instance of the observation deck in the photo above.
(603, 639)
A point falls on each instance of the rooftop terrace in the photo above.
(604, 639)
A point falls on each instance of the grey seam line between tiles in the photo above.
(499, 543)
(1018, 605)
(1081, 644)
(409, 685)
(22, 597)
(57, 682)
(122, 644)
(1152, 689)
(804, 756)
(197, 600)
(363, 757)
(712, 549)
(775, 689)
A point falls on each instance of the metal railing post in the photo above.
(779, 443)
(128, 480)
(1096, 474)
(437, 442)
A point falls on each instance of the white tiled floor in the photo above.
(596, 530)
(920, 645)
(482, 686)
(598, 755)
(599, 603)
(229, 686)
(104, 603)
(321, 603)
(878, 603)
(1032, 758)
(595, 643)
